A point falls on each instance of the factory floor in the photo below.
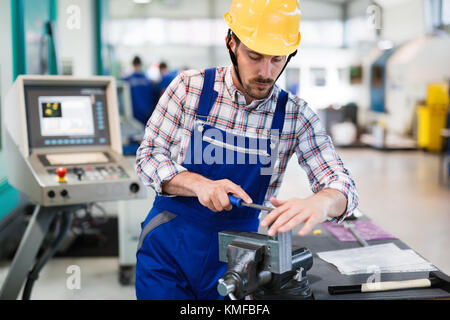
(400, 191)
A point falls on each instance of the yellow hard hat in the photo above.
(266, 26)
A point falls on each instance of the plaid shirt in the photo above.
(168, 131)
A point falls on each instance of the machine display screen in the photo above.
(60, 116)
(66, 116)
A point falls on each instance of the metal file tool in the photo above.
(351, 227)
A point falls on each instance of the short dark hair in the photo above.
(163, 65)
(137, 61)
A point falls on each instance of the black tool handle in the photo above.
(344, 289)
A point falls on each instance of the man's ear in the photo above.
(230, 40)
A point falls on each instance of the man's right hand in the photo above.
(213, 194)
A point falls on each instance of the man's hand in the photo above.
(214, 194)
(313, 210)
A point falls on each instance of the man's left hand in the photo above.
(313, 210)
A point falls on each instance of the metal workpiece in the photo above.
(351, 227)
(285, 250)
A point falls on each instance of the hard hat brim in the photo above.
(273, 46)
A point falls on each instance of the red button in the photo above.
(61, 172)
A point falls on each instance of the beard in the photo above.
(259, 88)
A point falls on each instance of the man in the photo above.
(166, 77)
(193, 168)
(143, 92)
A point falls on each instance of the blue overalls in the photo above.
(143, 95)
(177, 255)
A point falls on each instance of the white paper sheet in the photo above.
(383, 258)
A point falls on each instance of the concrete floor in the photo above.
(400, 191)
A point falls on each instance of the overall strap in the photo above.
(278, 117)
(208, 95)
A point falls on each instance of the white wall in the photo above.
(199, 56)
(357, 8)
(336, 90)
(181, 9)
(403, 20)
(76, 35)
(315, 10)
(175, 55)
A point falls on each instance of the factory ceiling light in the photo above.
(142, 1)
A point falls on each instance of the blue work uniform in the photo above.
(166, 79)
(178, 256)
(143, 96)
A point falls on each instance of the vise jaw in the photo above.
(278, 250)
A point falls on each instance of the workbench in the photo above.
(323, 274)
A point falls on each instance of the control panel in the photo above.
(80, 174)
(64, 142)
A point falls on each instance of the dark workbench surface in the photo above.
(322, 274)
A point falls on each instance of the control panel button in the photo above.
(79, 172)
(61, 172)
(64, 193)
(51, 194)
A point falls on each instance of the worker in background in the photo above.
(143, 92)
(166, 77)
(231, 131)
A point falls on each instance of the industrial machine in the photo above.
(132, 130)
(130, 212)
(398, 79)
(64, 151)
(409, 71)
(378, 81)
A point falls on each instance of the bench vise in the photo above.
(263, 266)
